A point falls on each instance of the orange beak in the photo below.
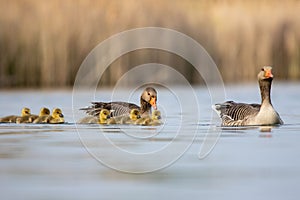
(268, 74)
(153, 102)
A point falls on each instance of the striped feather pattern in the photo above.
(236, 114)
(116, 108)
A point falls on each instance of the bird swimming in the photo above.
(243, 114)
(148, 100)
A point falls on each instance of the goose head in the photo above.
(265, 74)
(265, 78)
(44, 112)
(104, 115)
(134, 114)
(25, 112)
(149, 95)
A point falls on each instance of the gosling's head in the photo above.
(134, 114)
(156, 115)
(25, 112)
(104, 114)
(44, 112)
(57, 113)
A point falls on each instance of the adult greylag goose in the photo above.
(12, 118)
(30, 118)
(242, 114)
(153, 120)
(148, 99)
(101, 119)
(126, 119)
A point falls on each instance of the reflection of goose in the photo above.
(101, 119)
(12, 118)
(44, 112)
(148, 99)
(126, 119)
(154, 120)
(241, 114)
(55, 118)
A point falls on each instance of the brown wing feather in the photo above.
(237, 111)
(118, 108)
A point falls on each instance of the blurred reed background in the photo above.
(43, 43)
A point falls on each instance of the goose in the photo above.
(147, 100)
(12, 118)
(126, 119)
(154, 120)
(242, 114)
(31, 118)
(101, 119)
(55, 118)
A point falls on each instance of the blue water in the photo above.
(70, 161)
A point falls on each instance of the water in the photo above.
(51, 162)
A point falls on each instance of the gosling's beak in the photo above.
(159, 117)
(108, 117)
(139, 116)
(153, 102)
(61, 115)
(268, 74)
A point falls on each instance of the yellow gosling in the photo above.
(150, 122)
(154, 120)
(44, 112)
(104, 115)
(156, 115)
(56, 118)
(12, 118)
(126, 119)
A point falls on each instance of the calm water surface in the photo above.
(70, 161)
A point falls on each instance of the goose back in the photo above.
(237, 111)
(117, 108)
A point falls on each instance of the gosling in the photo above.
(12, 118)
(126, 119)
(104, 115)
(154, 120)
(56, 118)
(44, 112)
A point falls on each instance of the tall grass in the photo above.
(43, 43)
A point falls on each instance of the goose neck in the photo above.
(265, 91)
(145, 106)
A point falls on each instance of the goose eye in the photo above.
(262, 69)
(149, 93)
